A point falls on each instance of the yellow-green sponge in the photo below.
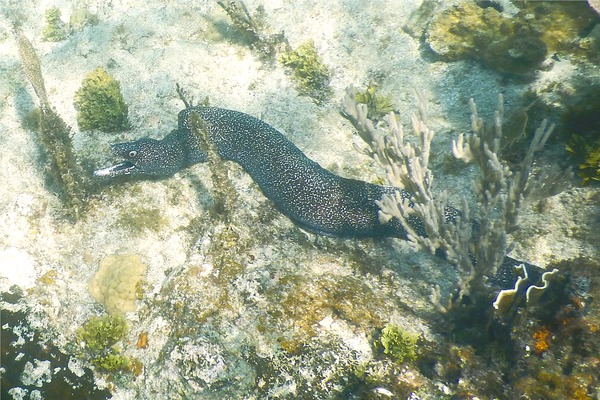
(100, 104)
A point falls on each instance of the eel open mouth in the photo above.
(123, 168)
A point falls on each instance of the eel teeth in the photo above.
(124, 168)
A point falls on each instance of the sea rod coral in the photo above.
(475, 240)
(63, 169)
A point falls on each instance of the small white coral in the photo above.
(115, 283)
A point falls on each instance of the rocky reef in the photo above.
(195, 286)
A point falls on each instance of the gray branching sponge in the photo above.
(100, 104)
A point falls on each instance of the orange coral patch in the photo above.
(542, 340)
(142, 341)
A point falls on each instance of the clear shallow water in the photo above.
(248, 306)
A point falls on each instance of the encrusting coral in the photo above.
(116, 284)
(484, 34)
(510, 42)
(100, 104)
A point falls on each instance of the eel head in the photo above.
(142, 157)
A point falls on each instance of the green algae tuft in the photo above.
(55, 29)
(99, 338)
(588, 154)
(311, 75)
(397, 343)
(378, 105)
(82, 17)
(100, 104)
(252, 29)
(112, 362)
(100, 333)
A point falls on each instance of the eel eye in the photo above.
(132, 153)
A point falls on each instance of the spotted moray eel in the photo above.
(311, 196)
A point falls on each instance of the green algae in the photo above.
(378, 105)
(397, 343)
(27, 341)
(311, 75)
(55, 29)
(82, 17)
(590, 168)
(99, 337)
(100, 104)
(580, 123)
(588, 154)
(113, 361)
(100, 333)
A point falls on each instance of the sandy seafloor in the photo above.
(281, 323)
